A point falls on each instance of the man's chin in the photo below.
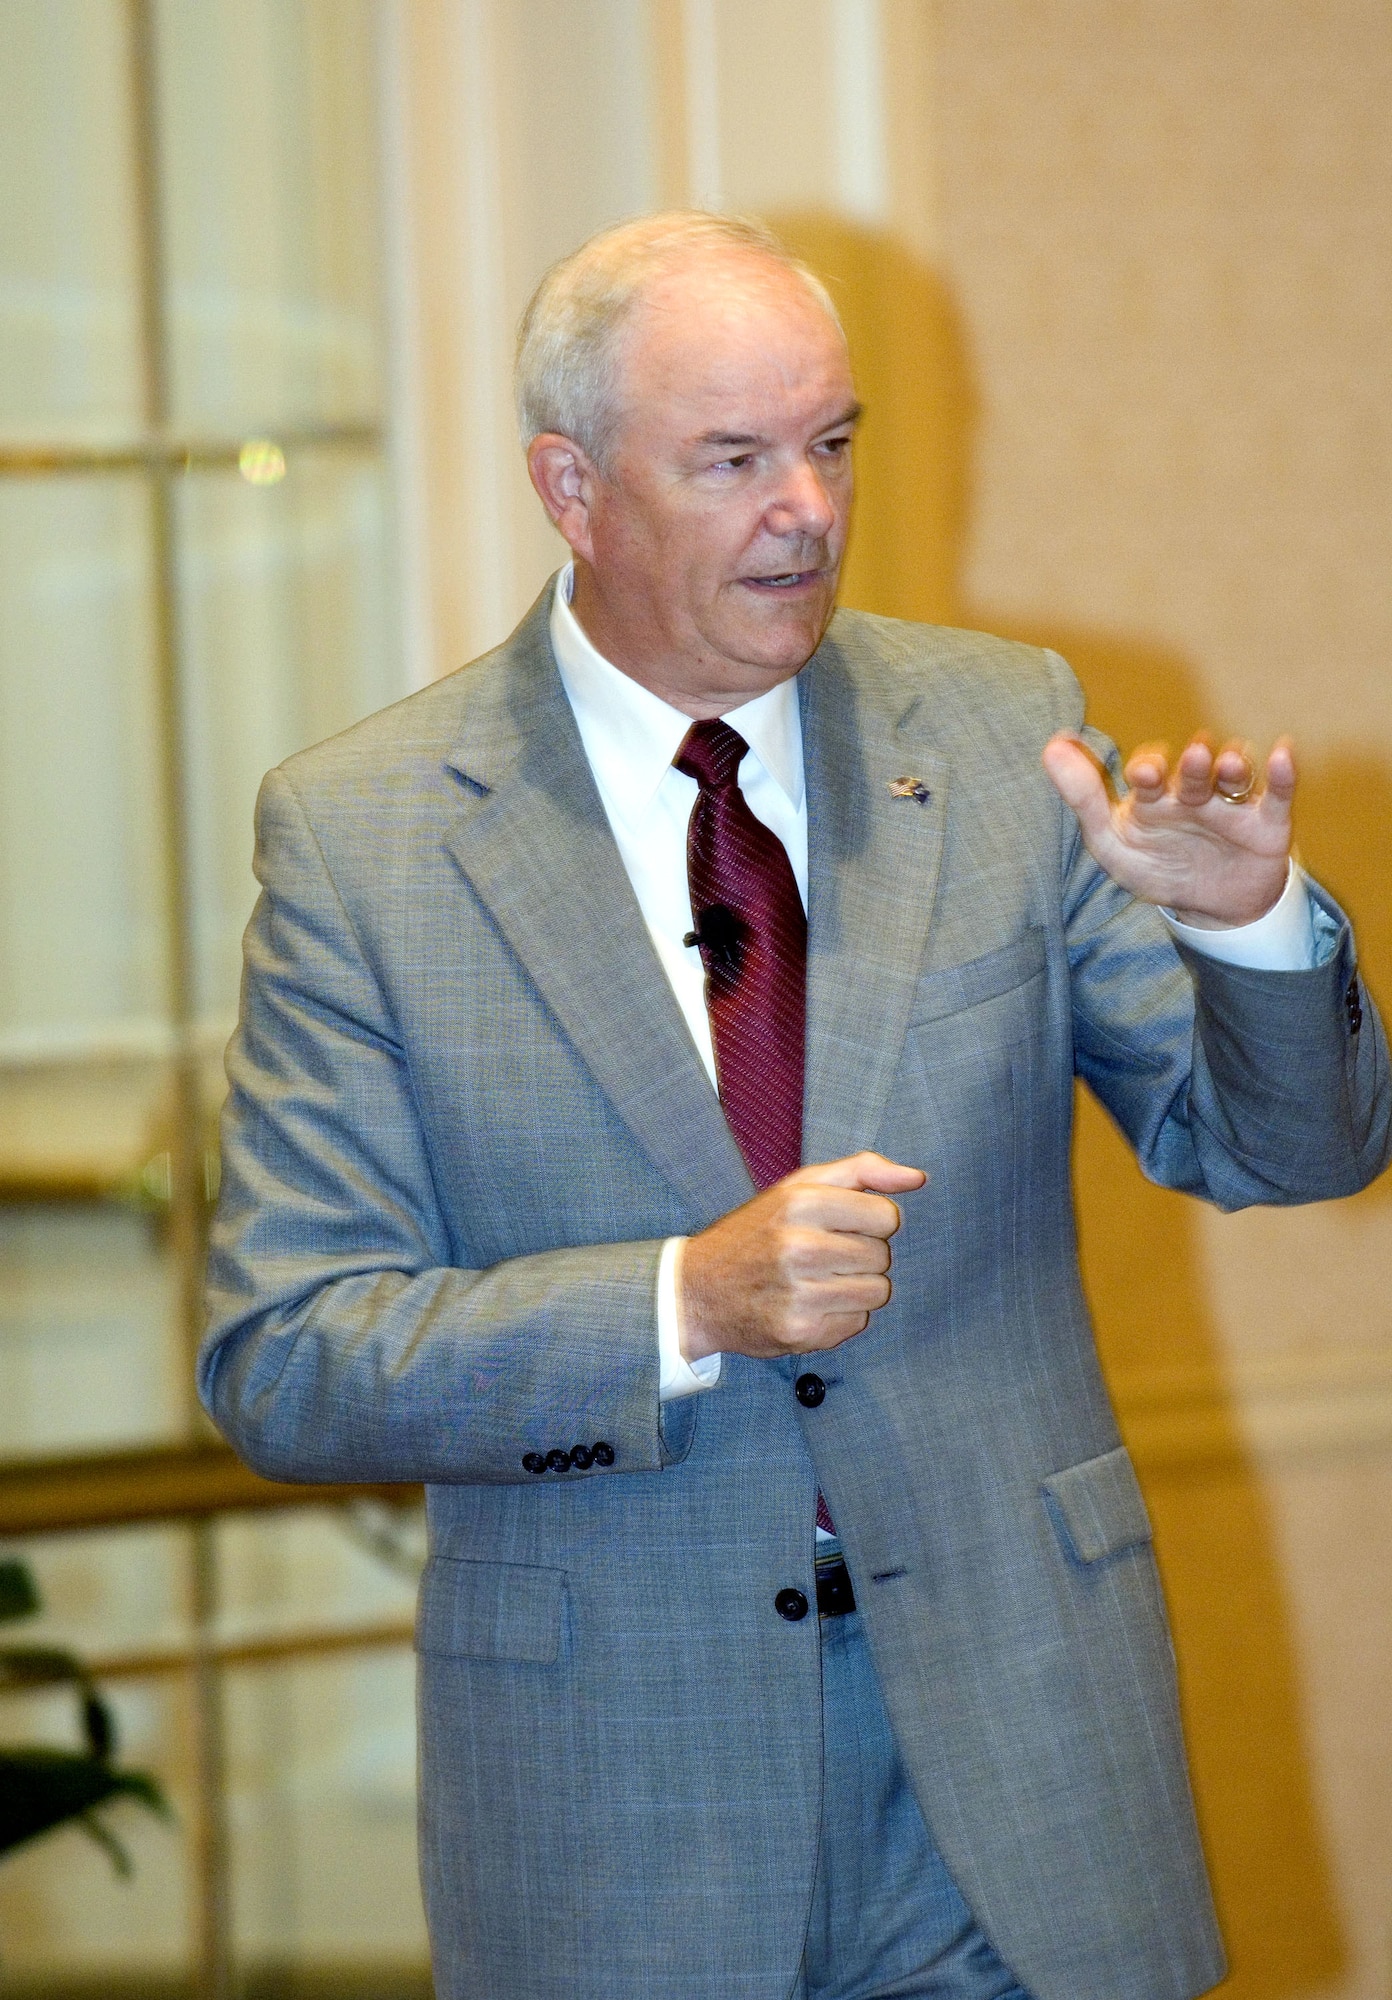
(781, 638)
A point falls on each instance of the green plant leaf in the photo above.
(98, 1830)
(19, 1594)
(98, 1726)
(38, 1666)
(43, 1789)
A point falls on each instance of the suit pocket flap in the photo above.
(1097, 1507)
(490, 1611)
(955, 988)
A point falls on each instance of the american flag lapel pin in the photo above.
(909, 788)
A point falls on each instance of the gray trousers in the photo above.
(888, 1922)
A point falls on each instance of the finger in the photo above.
(828, 1332)
(1147, 772)
(857, 1292)
(853, 1294)
(1281, 777)
(842, 1211)
(843, 1253)
(1233, 772)
(861, 1170)
(1077, 777)
(1193, 785)
(812, 1256)
(826, 1316)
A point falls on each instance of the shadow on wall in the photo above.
(1140, 1258)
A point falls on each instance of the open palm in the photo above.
(1206, 837)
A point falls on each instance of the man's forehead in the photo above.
(706, 293)
(728, 347)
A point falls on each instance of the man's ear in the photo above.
(565, 479)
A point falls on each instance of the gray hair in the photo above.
(566, 372)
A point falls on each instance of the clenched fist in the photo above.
(799, 1268)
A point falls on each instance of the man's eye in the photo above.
(836, 446)
(737, 463)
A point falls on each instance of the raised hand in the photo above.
(798, 1269)
(1209, 838)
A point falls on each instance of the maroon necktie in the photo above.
(753, 938)
(752, 935)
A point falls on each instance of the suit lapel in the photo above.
(531, 835)
(873, 864)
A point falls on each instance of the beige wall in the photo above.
(1164, 229)
(1117, 280)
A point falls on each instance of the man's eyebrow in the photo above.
(741, 440)
(732, 439)
(848, 417)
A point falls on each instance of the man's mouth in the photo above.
(790, 579)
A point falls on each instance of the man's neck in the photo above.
(701, 685)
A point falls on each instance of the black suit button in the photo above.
(602, 1453)
(558, 1461)
(1354, 1006)
(809, 1390)
(532, 1461)
(791, 1604)
(581, 1457)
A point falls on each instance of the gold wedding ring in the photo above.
(1236, 798)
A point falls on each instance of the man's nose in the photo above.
(802, 505)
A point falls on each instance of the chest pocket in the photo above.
(989, 1002)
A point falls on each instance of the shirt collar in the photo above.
(631, 735)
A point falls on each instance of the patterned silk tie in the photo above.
(753, 938)
(752, 935)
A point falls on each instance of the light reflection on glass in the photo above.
(261, 462)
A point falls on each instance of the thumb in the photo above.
(867, 1173)
(1076, 776)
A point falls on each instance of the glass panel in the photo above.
(319, 1567)
(321, 1757)
(268, 131)
(106, 1593)
(289, 635)
(322, 1752)
(88, 1357)
(267, 153)
(84, 1128)
(64, 1914)
(322, 1770)
(81, 900)
(69, 360)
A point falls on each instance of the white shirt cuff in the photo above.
(1281, 941)
(676, 1376)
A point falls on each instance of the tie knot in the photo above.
(711, 753)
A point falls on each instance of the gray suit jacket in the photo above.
(464, 1113)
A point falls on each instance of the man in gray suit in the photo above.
(783, 1632)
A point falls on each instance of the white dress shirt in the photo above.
(631, 736)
